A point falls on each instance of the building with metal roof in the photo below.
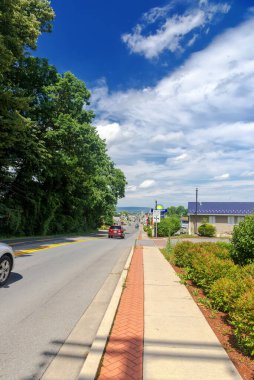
(223, 215)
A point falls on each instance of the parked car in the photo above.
(116, 231)
(6, 262)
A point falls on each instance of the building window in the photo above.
(231, 220)
(239, 219)
(211, 219)
(235, 219)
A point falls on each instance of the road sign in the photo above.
(162, 211)
(156, 216)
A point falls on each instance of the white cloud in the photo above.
(147, 183)
(173, 136)
(193, 125)
(248, 173)
(131, 188)
(222, 177)
(109, 132)
(180, 158)
(176, 31)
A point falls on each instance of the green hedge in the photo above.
(148, 230)
(242, 318)
(243, 241)
(225, 291)
(184, 251)
(168, 226)
(230, 287)
(206, 268)
(206, 229)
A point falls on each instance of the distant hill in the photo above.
(133, 210)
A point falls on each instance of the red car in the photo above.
(116, 231)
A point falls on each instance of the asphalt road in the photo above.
(53, 285)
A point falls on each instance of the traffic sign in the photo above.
(156, 216)
(162, 211)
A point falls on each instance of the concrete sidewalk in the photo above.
(179, 344)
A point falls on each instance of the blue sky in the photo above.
(172, 86)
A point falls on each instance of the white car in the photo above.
(6, 263)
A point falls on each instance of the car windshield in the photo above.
(115, 227)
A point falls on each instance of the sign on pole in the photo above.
(156, 216)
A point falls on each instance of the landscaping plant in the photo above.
(229, 286)
(243, 241)
(168, 226)
(206, 229)
(242, 318)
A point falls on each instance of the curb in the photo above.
(93, 360)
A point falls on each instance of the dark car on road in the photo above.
(116, 231)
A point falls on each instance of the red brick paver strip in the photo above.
(123, 358)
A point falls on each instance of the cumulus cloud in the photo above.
(176, 32)
(222, 177)
(193, 125)
(108, 132)
(147, 183)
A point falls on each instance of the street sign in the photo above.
(162, 211)
(156, 216)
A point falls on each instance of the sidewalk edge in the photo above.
(93, 359)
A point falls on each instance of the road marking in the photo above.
(27, 251)
(28, 241)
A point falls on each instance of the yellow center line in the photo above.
(55, 245)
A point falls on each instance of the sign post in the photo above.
(156, 219)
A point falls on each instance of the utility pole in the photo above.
(196, 213)
(155, 224)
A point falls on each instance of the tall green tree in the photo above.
(55, 173)
(61, 178)
(21, 23)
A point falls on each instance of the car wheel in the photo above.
(5, 269)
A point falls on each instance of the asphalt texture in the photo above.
(53, 284)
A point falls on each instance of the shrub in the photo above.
(185, 250)
(149, 231)
(169, 226)
(168, 252)
(242, 318)
(183, 253)
(248, 270)
(163, 227)
(206, 229)
(174, 224)
(243, 241)
(221, 252)
(207, 268)
(169, 247)
(224, 292)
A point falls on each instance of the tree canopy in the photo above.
(177, 210)
(56, 175)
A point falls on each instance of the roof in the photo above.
(218, 208)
